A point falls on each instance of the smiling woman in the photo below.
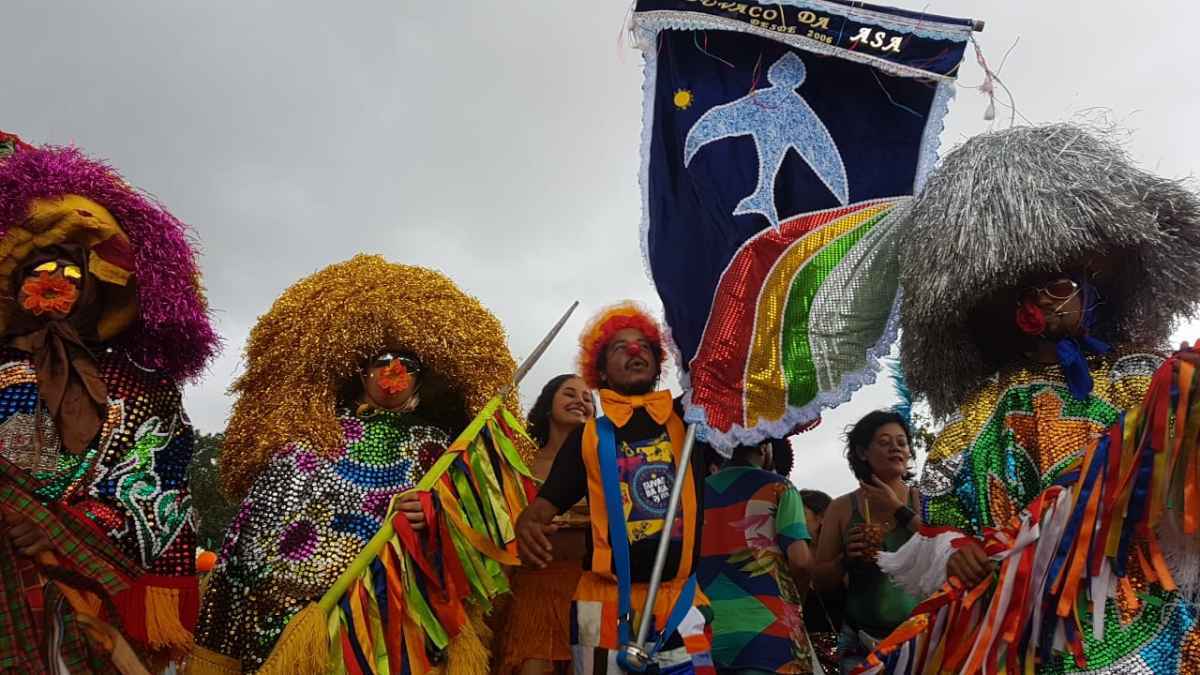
(878, 516)
(536, 634)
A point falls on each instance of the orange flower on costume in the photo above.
(394, 378)
(48, 293)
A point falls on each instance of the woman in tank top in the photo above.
(880, 515)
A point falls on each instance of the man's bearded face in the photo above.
(631, 366)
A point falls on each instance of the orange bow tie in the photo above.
(619, 407)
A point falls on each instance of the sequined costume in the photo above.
(306, 517)
(1015, 465)
(316, 481)
(118, 585)
(1015, 438)
(132, 481)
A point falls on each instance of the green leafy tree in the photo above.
(924, 431)
(213, 511)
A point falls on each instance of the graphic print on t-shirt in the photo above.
(647, 472)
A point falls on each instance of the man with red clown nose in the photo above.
(625, 464)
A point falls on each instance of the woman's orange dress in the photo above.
(537, 623)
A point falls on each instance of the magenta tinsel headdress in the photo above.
(173, 332)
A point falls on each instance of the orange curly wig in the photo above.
(600, 330)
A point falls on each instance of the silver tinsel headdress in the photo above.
(1009, 205)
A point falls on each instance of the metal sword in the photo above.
(540, 349)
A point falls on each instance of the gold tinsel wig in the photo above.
(317, 335)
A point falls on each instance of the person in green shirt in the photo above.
(878, 516)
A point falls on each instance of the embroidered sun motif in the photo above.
(684, 99)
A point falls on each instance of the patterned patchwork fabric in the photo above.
(751, 517)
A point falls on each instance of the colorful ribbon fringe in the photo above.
(404, 598)
(1069, 551)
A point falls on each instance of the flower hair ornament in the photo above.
(1030, 318)
(395, 375)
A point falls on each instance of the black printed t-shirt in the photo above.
(646, 466)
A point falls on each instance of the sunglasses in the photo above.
(51, 266)
(1058, 289)
(411, 363)
(1062, 291)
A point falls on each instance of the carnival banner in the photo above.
(780, 142)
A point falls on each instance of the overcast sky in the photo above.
(495, 141)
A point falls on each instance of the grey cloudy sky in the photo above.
(496, 141)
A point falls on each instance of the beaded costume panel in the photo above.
(303, 522)
(131, 482)
(1015, 436)
(1013, 439)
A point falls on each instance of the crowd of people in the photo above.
(787, 575)
(359, 378)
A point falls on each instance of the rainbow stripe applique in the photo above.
(773, 314)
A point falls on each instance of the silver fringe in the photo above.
(1010, 204)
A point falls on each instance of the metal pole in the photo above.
(664, 540)
(540, 349)
(976, 24)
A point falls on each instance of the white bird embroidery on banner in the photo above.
(778, 119)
